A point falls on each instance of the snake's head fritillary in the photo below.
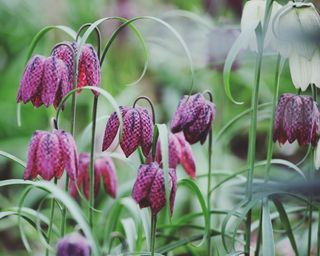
(73, 244)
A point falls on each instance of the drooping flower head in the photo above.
(254, 13)
(137, 130)
(149, 187)
(103, 168)
(180, 152)
(50, 153)
(88, 66)
(44, 81)
(296, 118)
(297, 28)
(73, 244)
(194, 116)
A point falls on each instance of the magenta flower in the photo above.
(149, 187)
(50, 153)
(296, 118)
(180, 152)
(44, 81)
(88, 66)
(194, 116)
(103, 168)
(73, 245)
(137, 130)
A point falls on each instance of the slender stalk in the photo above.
(91, 170)
(318, 243)
(153, 232)
(51, 220)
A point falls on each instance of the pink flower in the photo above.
(180, 152)
(44, 81)
(149, 187)
(137, 130)
(194, 116)
(73, 245)
(103, 168)
(50, 153)
(88, 66)
(296, 118)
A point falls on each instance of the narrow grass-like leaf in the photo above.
(286, 223)
(130, 230)
(268, 247)
(196, 191)
(13, 158)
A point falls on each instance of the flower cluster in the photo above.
(46, 80)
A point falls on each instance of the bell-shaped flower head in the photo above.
(103, 168)
(149, 187)
(194, 116)
(296, 118)
(50, 153)
(137, 130)
(44, 81)
(73, 244)
(88, 65)
(180, 152)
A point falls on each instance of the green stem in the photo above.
(209, 188)
(64, 211)
(51, 220)
(153, 233)
(318, 244)
(91, 170)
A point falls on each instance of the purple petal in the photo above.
(146, 125)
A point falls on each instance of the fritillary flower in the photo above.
(44, 81)
(180, 152)
(296, 118)
(194, 116)
(137, 130)
(73, 244)
(103, 168)
(50, 153)
(149, 187)
(88, 66)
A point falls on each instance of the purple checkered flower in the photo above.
(103, 168)
(73, 244)
(50, 153)
(137, 130)
(149, 187)
(44, 81)
(180, 152)
(296, 118)
(88, 66)
(194, 116)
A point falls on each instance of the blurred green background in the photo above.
(208, 27)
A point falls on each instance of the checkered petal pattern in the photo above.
(296, 118)
(146, 126)
(73, 244)
(194, 116)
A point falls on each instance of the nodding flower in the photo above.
(296, 118)
(44, 81)
(103, 168)
(137, 130)
(73, 244)
(180, 152)
(88, 65)
(297, 28)
(194, 116)
(50, 153)
(149, 187)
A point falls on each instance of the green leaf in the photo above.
(14, 158)
(130, 230)
(66, 200)
(195, 189)
(286, 223)
(238, 45)
(268, 247)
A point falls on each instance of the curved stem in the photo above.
(150, 103)
(209, 176)
(153, 233)
(51, 220)
(91, 170)
(98, 33)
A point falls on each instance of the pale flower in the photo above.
(253, 14)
